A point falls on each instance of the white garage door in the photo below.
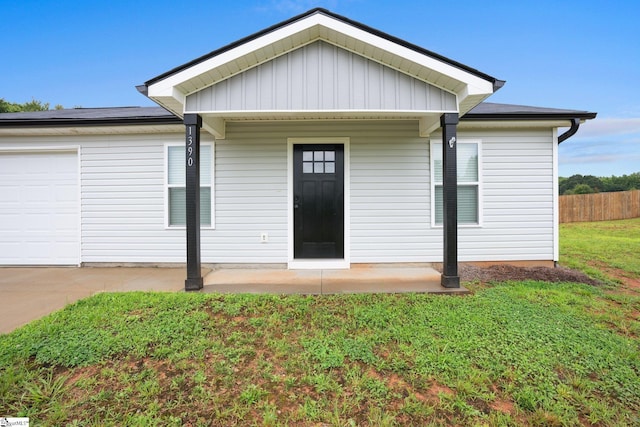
(39, 209)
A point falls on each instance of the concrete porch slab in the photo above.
(369, 279)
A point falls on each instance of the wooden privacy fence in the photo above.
(600, 206)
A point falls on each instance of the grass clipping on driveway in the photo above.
(510, 354)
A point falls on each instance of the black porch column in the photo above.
(193, 123)
(450, 277)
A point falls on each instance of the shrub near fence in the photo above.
(600, 206)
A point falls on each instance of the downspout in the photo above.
(575, 125)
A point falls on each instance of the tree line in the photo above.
(33, 105)
(586, 184)
(576, 184)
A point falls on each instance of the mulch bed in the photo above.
(503, 272)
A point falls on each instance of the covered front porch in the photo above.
(360, 278)
(323, 68)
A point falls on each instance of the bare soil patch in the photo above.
(504, 272)
(625, 277)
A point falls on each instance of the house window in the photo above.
(468, 154)
(176, 185)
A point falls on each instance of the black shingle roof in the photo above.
(491, 111)
(156, 115)
(90, 117)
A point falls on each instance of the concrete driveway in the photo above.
(30, 293)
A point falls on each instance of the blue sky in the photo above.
(576, 54)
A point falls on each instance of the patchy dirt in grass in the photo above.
(503, 273)
(436, 390)
(504, 406)
(632, 284)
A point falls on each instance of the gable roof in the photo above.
(496, 82)
(468, 85)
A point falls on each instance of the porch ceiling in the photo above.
(215, 122)
(171, 89)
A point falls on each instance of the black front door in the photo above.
(318, 201)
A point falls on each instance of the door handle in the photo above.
(296, 202)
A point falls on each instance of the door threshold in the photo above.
(319, 264)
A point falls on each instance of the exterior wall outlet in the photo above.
(264, 237)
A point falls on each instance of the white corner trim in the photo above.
(556, 198)
(80, 222)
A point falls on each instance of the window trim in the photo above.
(478, 183)
(167, 226)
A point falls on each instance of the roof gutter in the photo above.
(575, 117)
(575, 125)
(76, 122)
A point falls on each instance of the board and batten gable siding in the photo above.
(319, 77)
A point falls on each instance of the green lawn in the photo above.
(520, 353)
(607, 250)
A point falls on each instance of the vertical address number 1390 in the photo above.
(189, 148)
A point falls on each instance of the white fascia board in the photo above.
(504, 124)
(320, 114)
(476, 85)
(166, 85)
(473, 85)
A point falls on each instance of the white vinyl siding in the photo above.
(469, 175)
(251, 196)
(123, 200)
(517, 197)
(123, 194)
(390, 196)
(176, 190)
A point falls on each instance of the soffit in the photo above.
(171, 90)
